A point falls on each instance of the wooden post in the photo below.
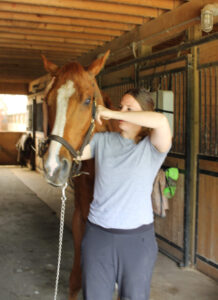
(143, 50)
(193, 34)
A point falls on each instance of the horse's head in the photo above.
(70, 101)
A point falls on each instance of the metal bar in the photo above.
(208, 65)
(169, 242)
(175, 114)
(184, 130)
(205, 111)
(116, 84)
(174, 118)
(210, 158)
(200, 111)
(33, 162)
(172, 50)
(216, 114)
(196, 208)
(210, 115)
(204, 259)
(210, 173)
(187, 162)
(164, 73)
(178, 261)
(165, 62)
(179, 114)
(177, 155)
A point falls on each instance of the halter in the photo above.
(77, 164)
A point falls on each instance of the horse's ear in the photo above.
(98, 64)
(49, 66)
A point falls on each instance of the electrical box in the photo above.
(164, 102)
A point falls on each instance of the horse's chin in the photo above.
(59, 184)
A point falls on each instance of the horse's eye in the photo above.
(87, 101)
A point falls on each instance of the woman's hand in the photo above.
(103, 113)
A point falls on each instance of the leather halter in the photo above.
(77, 164)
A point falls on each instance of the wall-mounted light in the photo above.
(207, 14)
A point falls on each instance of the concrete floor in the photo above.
(29, 238)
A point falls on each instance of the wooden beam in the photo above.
(36, 59)
(92, 6)
(65, 35)
(47, 39)
(164, 4)
(19, 44)
(29, 54)
(16, 79)
(56, 27)
(43, 19)
(13, 88)
(194, 33)
(155, 31)
(74, 13)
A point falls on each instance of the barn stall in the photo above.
(160, 45)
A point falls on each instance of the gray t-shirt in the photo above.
(124, 175)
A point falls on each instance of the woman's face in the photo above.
(128, 103)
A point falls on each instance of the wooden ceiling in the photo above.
(66, 30)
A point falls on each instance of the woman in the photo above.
(119, 244)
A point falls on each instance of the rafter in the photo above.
(40, 46)
(46, 39)
(79, 14)
(163, 4)
(96, 6)
(45, 19)
(56, 27)
(66, 35)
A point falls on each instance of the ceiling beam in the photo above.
(93, 6)
(39, 46)
(164, 4)
(47, 39)
(157, 30)
(29, 54)
(65, 35)
(56, 27)
(78, 14)
(44, 19)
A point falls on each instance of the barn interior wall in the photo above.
(13, 88)
(8, 151)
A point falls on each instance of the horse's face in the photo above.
(69, 101)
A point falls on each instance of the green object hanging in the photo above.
(172, 175)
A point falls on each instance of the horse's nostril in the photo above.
(65, 167)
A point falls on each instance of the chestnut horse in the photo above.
(71, 101)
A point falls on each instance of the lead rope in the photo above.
(61, 232)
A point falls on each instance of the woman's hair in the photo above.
(145, 100)
(143, 97)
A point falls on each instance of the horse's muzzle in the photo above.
(57, 175)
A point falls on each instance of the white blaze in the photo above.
(63, 95)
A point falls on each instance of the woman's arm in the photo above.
(161, 136)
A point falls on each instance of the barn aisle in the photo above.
(28, 244)
(29, 238)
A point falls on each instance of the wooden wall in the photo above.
(207, 188)
(8, 151)
(207, 223)
(13, 88)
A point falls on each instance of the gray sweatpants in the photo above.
(123, 256)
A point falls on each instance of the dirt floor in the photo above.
(29, 240)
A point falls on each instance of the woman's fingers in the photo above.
(102, 113)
